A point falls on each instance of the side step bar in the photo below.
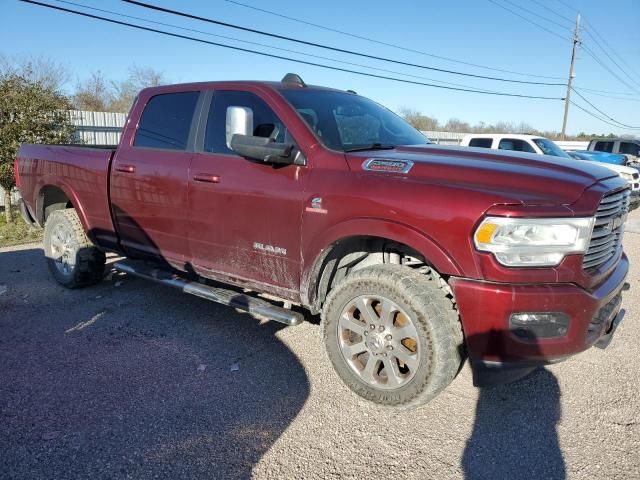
(231, 298)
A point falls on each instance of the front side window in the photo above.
(630, 148)
(604, 147)
(515, 145)
(550, 148)
(481, 142)
(347, 122)
(166, 121)
(265, 122)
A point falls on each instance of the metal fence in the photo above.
(97, 128)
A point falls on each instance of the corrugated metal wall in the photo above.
(98, 128)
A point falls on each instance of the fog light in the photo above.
(539, 325)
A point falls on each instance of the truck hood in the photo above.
(525, 178)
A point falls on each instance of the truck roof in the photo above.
(238, 84)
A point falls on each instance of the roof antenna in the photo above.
(293, 78)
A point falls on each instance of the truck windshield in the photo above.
(550, 148)
(348, 122)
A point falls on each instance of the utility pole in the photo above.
(576, 41)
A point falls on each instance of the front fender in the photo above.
(315, 252)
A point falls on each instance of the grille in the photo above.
(606, 239)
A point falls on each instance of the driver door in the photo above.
(245, 216)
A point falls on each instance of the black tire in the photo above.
(427, 302)
(81, 263)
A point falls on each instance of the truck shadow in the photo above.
(514, 433)
(129, 378)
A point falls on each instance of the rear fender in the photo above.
(58, 182)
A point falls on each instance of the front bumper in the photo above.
(493, 348)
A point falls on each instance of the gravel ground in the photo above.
(129, 379)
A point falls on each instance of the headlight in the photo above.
(533, 242)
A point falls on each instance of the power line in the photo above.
(570, 20)
(564, 27)
(592, 29)
(593, 114)
(530, 21)
(600, 94)
(602, 113)
(327, 47)
(606, 67)
(266, 46)
(622, 69)
(270, 55)
(593, 90)
(379, 42)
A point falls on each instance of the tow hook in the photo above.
(626, 286)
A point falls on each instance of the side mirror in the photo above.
(239, 121)
(263, 149)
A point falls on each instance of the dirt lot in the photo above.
(129, 379)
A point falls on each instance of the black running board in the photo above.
(231, 298)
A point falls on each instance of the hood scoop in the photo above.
(387, 165)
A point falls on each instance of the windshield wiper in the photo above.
(373, 146)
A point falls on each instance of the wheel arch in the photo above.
(57, 196)
(348, 242)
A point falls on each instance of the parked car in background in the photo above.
(602, 157)
(624, 146)
(544, 146)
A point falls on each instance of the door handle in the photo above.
(126, 168)
(206, 177)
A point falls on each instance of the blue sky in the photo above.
(475, 31)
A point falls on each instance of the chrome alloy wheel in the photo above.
(379, 342)
(63, 248)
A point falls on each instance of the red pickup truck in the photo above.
(261, 195)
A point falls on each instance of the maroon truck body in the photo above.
(222, 216)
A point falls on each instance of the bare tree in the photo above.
(124, 93)
(93, 94)
(36, 69)
(418, 120)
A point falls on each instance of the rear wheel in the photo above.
(71, 257)
(393, 334)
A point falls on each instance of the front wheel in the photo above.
(393, 334)
(71, 257)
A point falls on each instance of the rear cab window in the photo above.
(604, 147)
(166, 121)
(481, 142)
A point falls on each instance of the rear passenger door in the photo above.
(149, 179)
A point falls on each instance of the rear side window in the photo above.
(481, 142)
(166, 121)
(515, 145)
(630, 148)
(604, 147)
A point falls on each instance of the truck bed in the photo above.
(81, 173)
